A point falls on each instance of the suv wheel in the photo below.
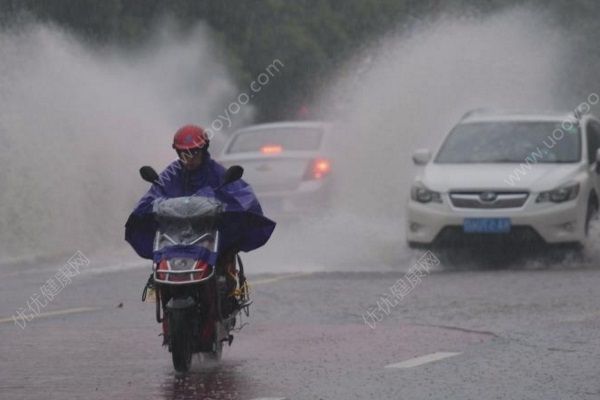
(592, 212)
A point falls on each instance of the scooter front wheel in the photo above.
(181, 343)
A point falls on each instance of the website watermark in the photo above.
(225, 119)
(261, 80)
(50, 289)
(400, 289)
(566, 126)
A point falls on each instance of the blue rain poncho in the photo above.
(242, 224)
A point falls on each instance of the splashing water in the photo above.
(403, 94)
(77, 122)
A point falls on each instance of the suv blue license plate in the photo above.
(486, 225)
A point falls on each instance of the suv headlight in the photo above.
(559, 195)
(423, 195)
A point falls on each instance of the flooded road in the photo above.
(459, 334)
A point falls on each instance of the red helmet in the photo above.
(190, 137)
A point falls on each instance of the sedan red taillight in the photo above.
(318, 168)
(271, 149)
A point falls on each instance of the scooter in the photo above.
(199, 290)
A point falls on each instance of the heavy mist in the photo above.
(76, 123)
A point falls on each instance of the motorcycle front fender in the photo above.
(180, 303)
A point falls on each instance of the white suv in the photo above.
(504, 177)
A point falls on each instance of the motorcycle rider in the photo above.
(195, 172)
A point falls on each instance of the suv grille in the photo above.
(488, 199)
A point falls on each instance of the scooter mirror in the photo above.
(149, 174)
(232, 174)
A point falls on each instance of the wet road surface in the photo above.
(477, 334)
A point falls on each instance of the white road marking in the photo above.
(278, 278)
(581, 317)
(83, 271)
(415, 362)
(135, 266)
(270, 398)
(55, 313)
(118, 268)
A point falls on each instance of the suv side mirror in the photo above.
(421, 156)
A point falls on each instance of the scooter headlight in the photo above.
(182, 264)
(559, 195)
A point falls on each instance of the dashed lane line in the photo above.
(88, 309)
(418, 361)
(270, 398)
(56, 313)
(278, 278)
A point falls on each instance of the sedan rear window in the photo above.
(284, 139)
(512, 142)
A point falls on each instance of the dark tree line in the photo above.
(312, 37)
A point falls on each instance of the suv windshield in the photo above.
(511, 142)
(290, 139)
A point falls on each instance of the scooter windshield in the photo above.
(186, 220)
